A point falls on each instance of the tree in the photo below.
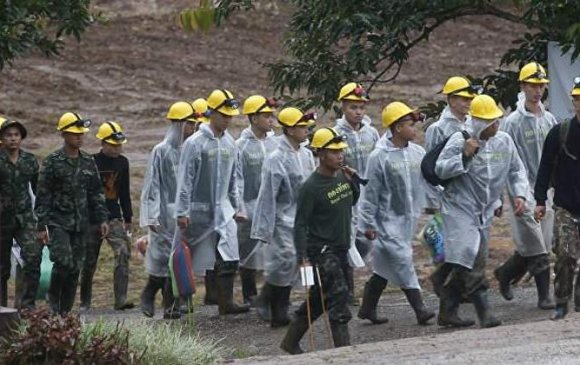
(332, 41)
(39, 24)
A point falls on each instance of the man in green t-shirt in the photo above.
(322, 234)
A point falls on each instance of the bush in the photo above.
(46, 339)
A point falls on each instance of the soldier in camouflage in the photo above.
(18, 173)
(69, 187)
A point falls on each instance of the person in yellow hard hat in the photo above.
(528, 126)
(283, 172)
(207, 201)
(114, 170)
(200, 116)
(322, 233)
(361, 137)
(69, 196)
(18, 175)
(560, 168)
(459, 92)
(479, 168)
(256, 142)
(157, 209)
(390, 205)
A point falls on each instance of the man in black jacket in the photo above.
(560, 167)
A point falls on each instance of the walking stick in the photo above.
(308, 313)
(324, 313)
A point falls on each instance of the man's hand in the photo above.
(471, 147)
(519, 206)
(183, 222)
(349, 172)
(498, 212)
(240, 217)
(104, 229)
(371, 234)
(42, 236)
(539, 212)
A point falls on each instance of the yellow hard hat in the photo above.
(223, 101)
(484, 107)
(291, 117)
(259, 104)
(460, 86)
(7, 123)
(353, 91)
(395, 111)
(200, 110)
(328, 138)
(73, 123)
(576, 88)
(533, 73)
(112, 133)
(182, 110)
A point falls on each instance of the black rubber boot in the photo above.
(210, 288)
(481, 304)
(373, 289)
(448, 309)
(543, 287)
(279, 304)
(291, 341)
(225, 296)
(120, 287)
(170, 303)
(248, 279)
(86, 288)
(54, 290)
(4, 289)
(154, 284)
(68, 292)
(350, 284)
(416, 300)
(510, 273)
(29, 294)
(560, 312)
(438, 278)
(340, 334)
(262, 302)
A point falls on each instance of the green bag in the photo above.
(45, 273)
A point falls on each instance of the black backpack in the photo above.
(430, 159)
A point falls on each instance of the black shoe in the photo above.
(68, 292)
(510, 273)
(481, 304)
(448, 310)
(543, 288)
(340, 334)
(248, 279)
(124, 306)
(291, 341)
(416, 300)
(560, 312)
(154, 284)
(210, 288)
(225, 296)
(262, 303)
(170, 303)
(373, 290)
(279, 304)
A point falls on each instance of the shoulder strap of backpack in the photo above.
(465, 134)
(564, 130)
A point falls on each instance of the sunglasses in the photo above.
(472, 89)
(116, 135)
(270, 103)
(359, 92)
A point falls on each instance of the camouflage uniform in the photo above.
(567, 250)
(68, 189)
(17, 221)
